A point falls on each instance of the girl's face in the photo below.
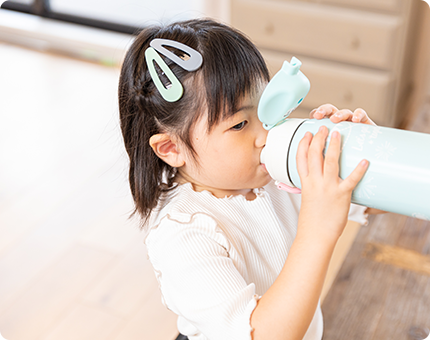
(228, 158)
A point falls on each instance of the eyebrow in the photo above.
(244, 108)
(241, 108)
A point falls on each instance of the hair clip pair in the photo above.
(175, 91)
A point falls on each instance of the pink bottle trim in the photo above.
(287, 188)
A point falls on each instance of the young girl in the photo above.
(235, 257)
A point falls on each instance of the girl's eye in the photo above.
(239, 126)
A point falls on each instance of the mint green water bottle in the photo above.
(398, 177)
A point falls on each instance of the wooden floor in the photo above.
(72, 266)
(382, 291)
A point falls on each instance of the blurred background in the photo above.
(72, 263)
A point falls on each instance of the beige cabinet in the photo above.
(353, 51)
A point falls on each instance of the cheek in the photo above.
(234, 162)
(217, 162)
(225, 159)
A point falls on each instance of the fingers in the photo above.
(309, 156)
(360, 116)
(323, 111)
(342, 115)
(355, 177)
(310, 159)
(302, 155)
(337, 116)
(315, 153)
(331, 164)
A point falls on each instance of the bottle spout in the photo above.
(262, 156)
(293, 67)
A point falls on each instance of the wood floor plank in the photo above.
(399, 257)
(53, 121)
(113, 230)
(153, 321)
(126, 286)
(386, 228)
(50, 294)
(373, 300)
(341, 250)
(66, 191)
(85, 323)
(346, 274)
(55, 190)
(40, 248)
(422, 310)
(357, 314)
(401, 318)
(415, 236)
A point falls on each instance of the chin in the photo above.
(264, 182)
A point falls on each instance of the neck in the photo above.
(217, 192)
(221, 193)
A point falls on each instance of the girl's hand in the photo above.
(326, 197)
(337, 116)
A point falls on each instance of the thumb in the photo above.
(355, 177)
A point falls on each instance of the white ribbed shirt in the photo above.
(214, 258)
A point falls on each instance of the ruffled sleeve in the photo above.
(198, 279)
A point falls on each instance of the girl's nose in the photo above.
(260, 140)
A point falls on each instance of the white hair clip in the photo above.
(175, 91)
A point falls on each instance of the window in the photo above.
(125, 16)
(131, 12)
(25, 2)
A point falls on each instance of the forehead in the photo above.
(247, 101)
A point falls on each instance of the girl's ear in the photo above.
(166, 148)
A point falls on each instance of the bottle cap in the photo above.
(283, 94)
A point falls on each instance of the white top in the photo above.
(214, 258)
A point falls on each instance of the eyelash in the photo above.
(239, 126)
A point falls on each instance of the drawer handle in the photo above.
(355, 43)
(269, 28)
(348, 96)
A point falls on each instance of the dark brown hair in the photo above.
(232, 67)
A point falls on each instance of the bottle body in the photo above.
(398, 176)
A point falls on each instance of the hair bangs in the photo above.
(233, 69)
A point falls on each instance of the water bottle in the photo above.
(398, 177)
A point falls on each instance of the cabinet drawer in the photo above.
(383, 5)
(392, 6)
(346, 87)
(351, 36)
